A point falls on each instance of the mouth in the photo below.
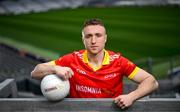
(94, 46)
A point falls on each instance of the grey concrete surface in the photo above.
(8, 88)
(86, 105)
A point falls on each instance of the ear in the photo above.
(82, 39)
(105, 38)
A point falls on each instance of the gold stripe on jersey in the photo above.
(52, 63)
(105, 60)
(133, 73)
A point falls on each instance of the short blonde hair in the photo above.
(93, 21)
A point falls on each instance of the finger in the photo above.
(72, 73)
(117, 99)
(121, 100)
(69, 75)
(64, 77)
(123, 107)
(69, 72)
(120, 104)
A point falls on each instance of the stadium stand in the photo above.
(18, 65)
(28, 6)
(31, 6)
(49, 4)
(13, 7)
(15, 63)
(173, 2)
(2, 10)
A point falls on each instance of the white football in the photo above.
(54, 88)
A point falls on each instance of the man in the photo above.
(96, 72)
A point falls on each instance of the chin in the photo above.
(94, 52)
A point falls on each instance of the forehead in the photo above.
(94, 29)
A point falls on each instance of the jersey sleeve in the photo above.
(129, 68)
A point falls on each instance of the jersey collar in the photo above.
(105, 60)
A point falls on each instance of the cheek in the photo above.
(86, 43)
(102, 40)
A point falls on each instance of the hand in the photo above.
(64, 72)
(124, 101)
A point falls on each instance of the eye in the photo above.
(88, 36)
(98, 34)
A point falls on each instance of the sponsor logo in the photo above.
(110, 75)
(115, 56)
(81, 71)
(87, 89)
(79, 55)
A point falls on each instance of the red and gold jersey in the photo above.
(97, 82)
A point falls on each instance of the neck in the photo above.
(96, 59)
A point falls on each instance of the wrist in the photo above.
(49, 69)
(133, 96)
(53, 69)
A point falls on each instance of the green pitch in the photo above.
(136, 32)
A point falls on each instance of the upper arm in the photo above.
(133, 72)
(140, 76)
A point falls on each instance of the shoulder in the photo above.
(66, 56)
(117, 57)
(73, 55)
(78, 54)
(114, 55)
(66, 59)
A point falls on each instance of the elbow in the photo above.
(34, 73)
(155, 84)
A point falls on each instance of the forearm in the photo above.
(145, 87)
(42, 70)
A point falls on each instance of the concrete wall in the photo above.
(86, 105)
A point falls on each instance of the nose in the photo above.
(93, 40)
